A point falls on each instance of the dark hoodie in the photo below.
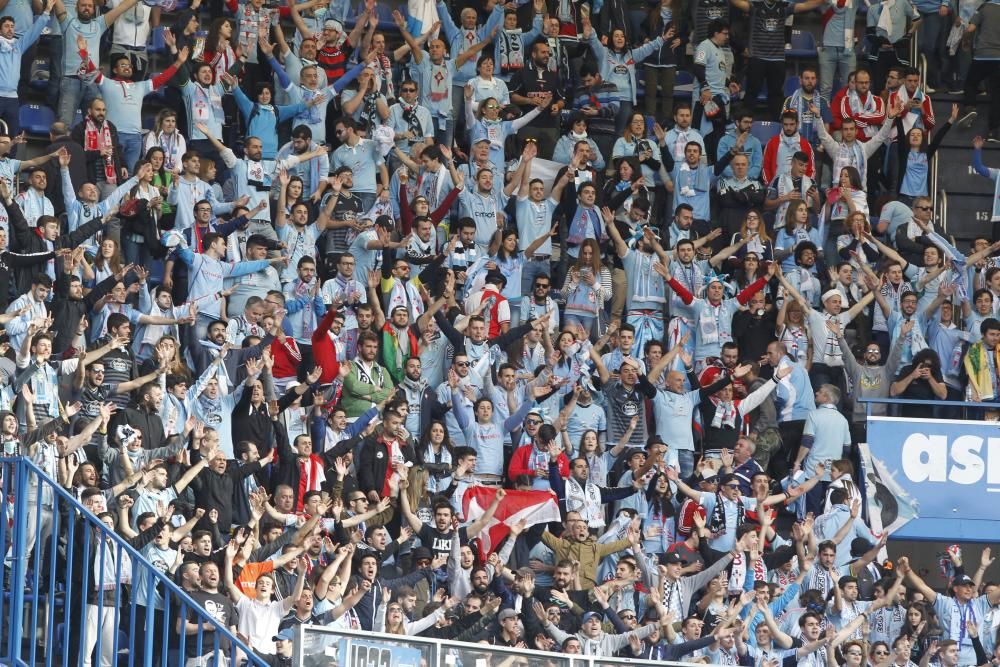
(178, 29)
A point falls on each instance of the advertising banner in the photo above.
(929, 479)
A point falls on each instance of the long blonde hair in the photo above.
(416, 492)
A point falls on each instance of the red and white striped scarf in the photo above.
(311, 477)
(98, 138)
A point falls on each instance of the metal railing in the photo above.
(71, 582)
(316, 645)
(893, 403)
(942, 206)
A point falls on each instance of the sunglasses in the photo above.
(463, 364)
(541, 286)
(732, 486)
(629, 617)
(408, 90)
(492, 106)
(923, 208)
(533, 422)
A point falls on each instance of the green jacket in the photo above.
(362, 390)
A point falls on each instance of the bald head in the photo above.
(58, 130)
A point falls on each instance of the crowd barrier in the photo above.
(318, 646)
(45, 588)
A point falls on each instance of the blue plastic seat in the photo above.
(764, 130)
(156, 42)
(36, 119)
(803, 45)
(791, 85)
(40, 73)
(683, 84)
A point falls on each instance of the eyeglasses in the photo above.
(923, 208)
(492, 106)
(855, 653)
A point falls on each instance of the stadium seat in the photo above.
(40, 74)
(791, 85)
(156, 42)
(764, 130)
(36, 119)
(803, 45)
(683, 85)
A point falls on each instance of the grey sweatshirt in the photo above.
(870, 381)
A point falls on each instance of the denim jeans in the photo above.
(447, 135)
(532, 269)
(685, 459)
(131, 148)
(10, 109)
(932, 28)
(55, 72)
(74, 94)
(367, 201)
(835, 62)
(135, 252)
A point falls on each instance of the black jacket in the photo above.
(148, 422)
(255, 424)
(28, 240)
(67, 313)
(77, 172)
(374, 462)
(95, 162)
(12, 260)
(286, 470)
(215, 491)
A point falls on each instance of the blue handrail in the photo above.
(23, 469)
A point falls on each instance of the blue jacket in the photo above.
(455, 36)
(608, 61)
(262, 120)
(10, 58)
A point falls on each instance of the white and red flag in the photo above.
(533, 507)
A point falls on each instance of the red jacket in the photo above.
(287, 358)
(324, 352)
(770, 167)
(868, 122)
(926, 110)
(520, 463)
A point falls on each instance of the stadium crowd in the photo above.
(375, 281)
